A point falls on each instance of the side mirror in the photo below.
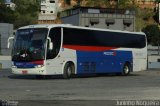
(50, 43)
(50, 46)
(8, 43)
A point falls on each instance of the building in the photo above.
(8, 3)
(100, 18)
(48, 12)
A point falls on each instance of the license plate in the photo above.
(24, 71)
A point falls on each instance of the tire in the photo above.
(68, 69)
(126, 69)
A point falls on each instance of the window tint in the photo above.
(85, 37)
(55, 35)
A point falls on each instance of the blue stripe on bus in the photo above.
(25, 64)
(31, 64)
(102, 62)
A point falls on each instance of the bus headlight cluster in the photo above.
(14, 66)
(39, 66)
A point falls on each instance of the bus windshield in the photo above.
(29, 44)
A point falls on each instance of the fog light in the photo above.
(39, 66)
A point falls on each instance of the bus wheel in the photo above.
(68, 69)
(126, 69)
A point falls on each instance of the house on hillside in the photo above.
(48, 11)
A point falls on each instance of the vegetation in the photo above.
(6, 14)
(68, 2)
(153, 34)
(144, 17)
(122, 4)
(1, 1)
(26, 12)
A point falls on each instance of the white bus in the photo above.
(67, 50)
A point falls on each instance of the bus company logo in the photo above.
(110, 53)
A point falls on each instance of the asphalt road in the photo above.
(81, 90)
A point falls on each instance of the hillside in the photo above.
(27, 11)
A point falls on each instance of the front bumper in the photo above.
(29, 71)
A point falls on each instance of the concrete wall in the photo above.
(84, 19)
(5, 62)
(153, 50)
(89, 17)
(74, 20)
(153, 62)
(6, 30)
(153, 58)
(117, 18)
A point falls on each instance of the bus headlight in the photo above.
(39, 66)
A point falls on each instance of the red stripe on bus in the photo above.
(38, 62)
(88, 48)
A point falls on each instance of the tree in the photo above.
(26, 12)
(6, 14)
(68, 2)
(122, 4)
(157, 1)
(108, 4)
(126, 4)
(147, 13)
(25, 19)
(153, 34)
(92, 3)
(1, 1)
(97, 3)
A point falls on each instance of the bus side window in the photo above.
(55, 36)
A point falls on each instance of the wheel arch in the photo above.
(72, 64)
(130, 65)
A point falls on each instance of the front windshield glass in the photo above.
(29, 44)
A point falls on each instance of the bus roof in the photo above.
(77, 27)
